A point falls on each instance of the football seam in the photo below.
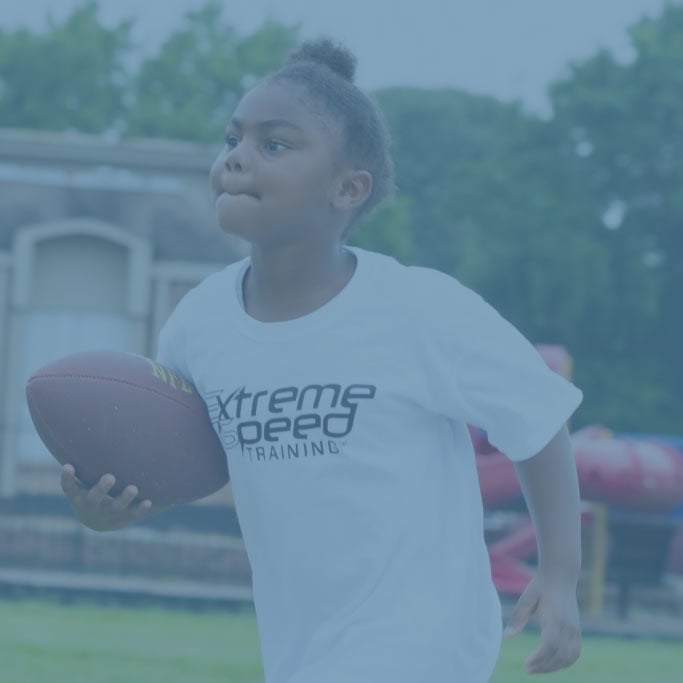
(110, 379)
(45, 425)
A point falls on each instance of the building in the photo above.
(99, 239)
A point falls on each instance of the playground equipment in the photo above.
(630, 473)
(639, 474)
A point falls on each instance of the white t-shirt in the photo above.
(352, 468)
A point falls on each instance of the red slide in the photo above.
(636, 472)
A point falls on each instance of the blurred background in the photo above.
(539, 155)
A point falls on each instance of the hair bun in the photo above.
(334, 56)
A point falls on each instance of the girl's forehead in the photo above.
(275, 101)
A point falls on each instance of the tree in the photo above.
(188, 90)
(388, 229)
(624, 122)
(572, 227)
(70, 78)
(494, 203)
(433, 131)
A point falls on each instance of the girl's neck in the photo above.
(291, 281)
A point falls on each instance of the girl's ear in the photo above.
(352, 190)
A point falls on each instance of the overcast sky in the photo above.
(507, 48)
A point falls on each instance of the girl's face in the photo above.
(273, 180)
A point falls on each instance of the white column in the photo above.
(7, 459)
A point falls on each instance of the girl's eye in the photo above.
(273, 146)
(231, 141)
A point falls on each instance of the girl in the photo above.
(341, 383)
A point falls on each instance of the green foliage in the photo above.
(435, 133)
(388, 229)
(73, 77)
(519, 209)
(189, 89)
(491, 204)
(571, 227)
(70, 78)
(625, 122)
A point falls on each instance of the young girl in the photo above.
(341, 384)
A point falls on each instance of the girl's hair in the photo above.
(326, 70)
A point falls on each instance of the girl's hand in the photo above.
(554, 604)
(98, 510)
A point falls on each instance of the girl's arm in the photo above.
(550, 486)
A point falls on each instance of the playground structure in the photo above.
(637, 478)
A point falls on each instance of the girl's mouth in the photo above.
(239, 192)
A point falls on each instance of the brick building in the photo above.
(98, 241)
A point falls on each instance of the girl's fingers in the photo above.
(68, 481)
(142, 509)
(100, 490)
(560, 642)
(559, 648)
(544, 658)
(126, 497)
(525, 607)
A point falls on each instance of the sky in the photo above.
(511, 49)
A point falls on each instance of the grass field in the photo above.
(42, 642)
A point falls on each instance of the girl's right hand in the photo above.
(98, 510)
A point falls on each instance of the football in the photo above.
(124, 414)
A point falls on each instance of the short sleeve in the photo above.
(498, 381)
(171, 345)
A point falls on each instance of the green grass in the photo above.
(603, 660)
(50, 643)
(44, 642)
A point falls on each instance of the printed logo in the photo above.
(288, 422)
(169, 377)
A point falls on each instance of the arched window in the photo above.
(77, 285)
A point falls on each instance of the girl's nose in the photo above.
(235, 159)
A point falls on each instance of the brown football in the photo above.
(124, 414)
